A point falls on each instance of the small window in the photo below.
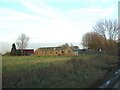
(62, 52)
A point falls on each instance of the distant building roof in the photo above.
(51, 48)
(76, 49)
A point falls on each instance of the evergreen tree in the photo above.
(18, 52)
(13, 50)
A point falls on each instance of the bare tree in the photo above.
(107, 28)
(22, 42)
(110, 30)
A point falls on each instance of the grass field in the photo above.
(59, 71)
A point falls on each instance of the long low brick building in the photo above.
(55, 51)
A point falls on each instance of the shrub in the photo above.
(7, 54)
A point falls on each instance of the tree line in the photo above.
(103, 37)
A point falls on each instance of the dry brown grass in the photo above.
(70, 73)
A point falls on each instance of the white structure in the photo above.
(119, 19)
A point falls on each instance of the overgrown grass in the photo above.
(10, 63)
(55, 72)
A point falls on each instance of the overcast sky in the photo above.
(52, 21)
